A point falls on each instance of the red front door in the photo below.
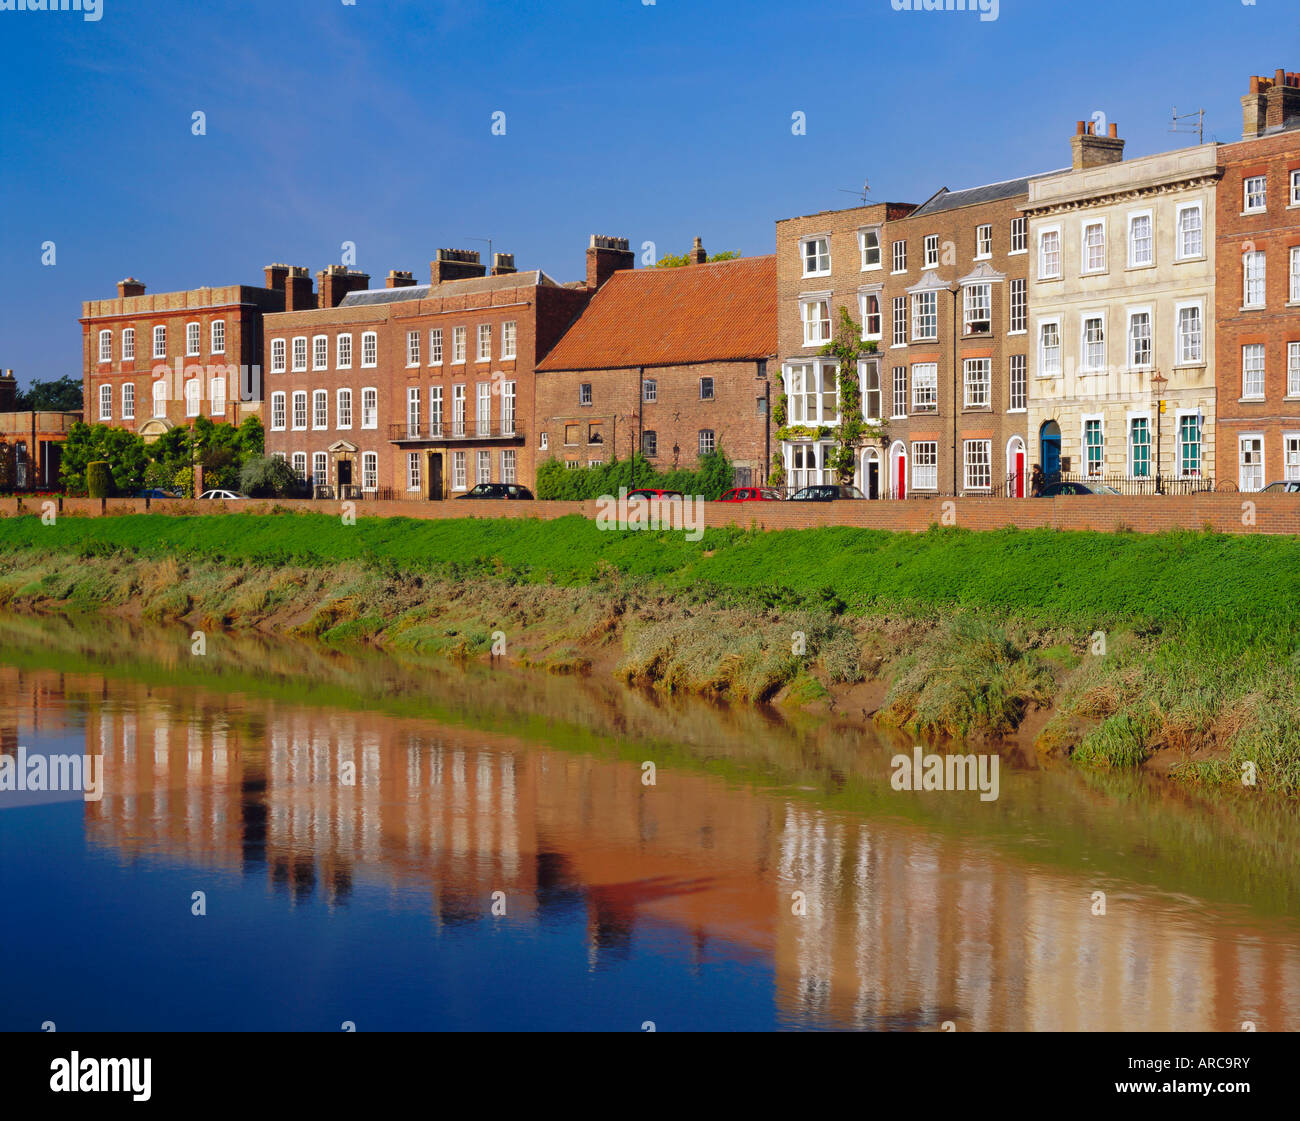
(900, 470)
(1020, 473)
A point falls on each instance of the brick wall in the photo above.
(1275, 416)
(1223, 513)
(675, 417)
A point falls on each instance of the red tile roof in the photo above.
(725, 311)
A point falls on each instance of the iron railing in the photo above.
(451, 433)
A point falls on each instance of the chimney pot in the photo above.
(1090, 149)
(1114, 131)
(129, 287)
(605, 257)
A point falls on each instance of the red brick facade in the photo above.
(151, 362)
(1258, 316)
(670, 362)
(415, 393)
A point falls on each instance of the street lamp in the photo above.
(1158, 383)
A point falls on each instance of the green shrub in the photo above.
(268, 477)
(99, 479)
(557, 481)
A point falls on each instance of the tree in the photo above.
(62, 396)
(99, 479)
(268, 476)
(123, 451)
(847, 348)
(677, 260)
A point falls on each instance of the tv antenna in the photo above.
(490, 263)
(863, 192)
(1189, 123)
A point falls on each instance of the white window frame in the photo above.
(412, 348)
(864, 299)
(1130, 420)
(105, 402)
(898, 256)
(298, 354)
(975, 310)
(459, 473)
(194, 397)
(435, 346)
(968, 463)
(369, 407)
(898, 393)
(1261, 476)
(508, 402)
(1086, 267)
(984, 242)
(299, 395)
(816, 256)
(483, 408)
(369, 470)
(1086, 366)
(806, 392)
(343, 409)
(412, 471)
(369, 350)
(898, 322)
(1249, 351)
(1295, 187)
(160, 341)
(483, 350)
(1084, 421)
(930, 252)
(1179, 308)
(866, 369)
(343, 351)
(1294, 275)
(1179, 233)
(1042, 350)
(1042, 272)
(1179, 469)
(158, 394)
(320, 352)
(977, 391)
(217, 337)
(863, 248)
(1293, 370)
(320, 409)
(920, 316)
(1018, 362)
(925, 387)
(279, 356)
(509, 339)
(1291, 456)
(458, 345)
(128, 400)
(128, 344)
(1254, 275)
(509, 466)
(1247, 194)
(1018, 309)
(217, 397)
(193, 339)
(105, 346)
(924, 464)
(458, 409)
(1133, 219)
(279, 411)
(1019, 236)
(816, 330)
(1130, 315)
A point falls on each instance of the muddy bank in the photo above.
(945, 677)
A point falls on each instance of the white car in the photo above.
(228, 494)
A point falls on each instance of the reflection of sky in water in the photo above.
(373, 902)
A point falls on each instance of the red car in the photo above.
(646, 492)
(751, 494)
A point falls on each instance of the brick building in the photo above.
(419, 391)
(940, 289)
(670, 362)
(151, 362)
(30, 442)
(825, 261)
(1122, 299)
(1257, 299)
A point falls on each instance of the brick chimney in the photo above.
(1092, 150)
(275, 277)
(297, 289)
(605, 256)
(8, 391)
(697, 256)
(456, 264)
(1283, 99)
(398, 279)
(334, 282)
(503, 264)
(129, 287)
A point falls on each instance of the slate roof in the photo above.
(990, 192)
(720, 312)
(469, 287)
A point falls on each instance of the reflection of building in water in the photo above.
(905, 927)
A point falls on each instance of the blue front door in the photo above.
(1049, 438)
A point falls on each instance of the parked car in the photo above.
(646, 492)
(751, 494)
(1054, 489)
(498, 490)
(1291, 486)
(826, 492)
(222, 494)
(157, 492)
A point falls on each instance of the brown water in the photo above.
(624, 902)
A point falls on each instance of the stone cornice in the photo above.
(1093, 200)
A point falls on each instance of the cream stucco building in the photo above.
(1121, 294)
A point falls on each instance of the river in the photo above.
(294, 838)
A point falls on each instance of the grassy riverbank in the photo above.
(1176, 652)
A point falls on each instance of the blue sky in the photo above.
(371, 123)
